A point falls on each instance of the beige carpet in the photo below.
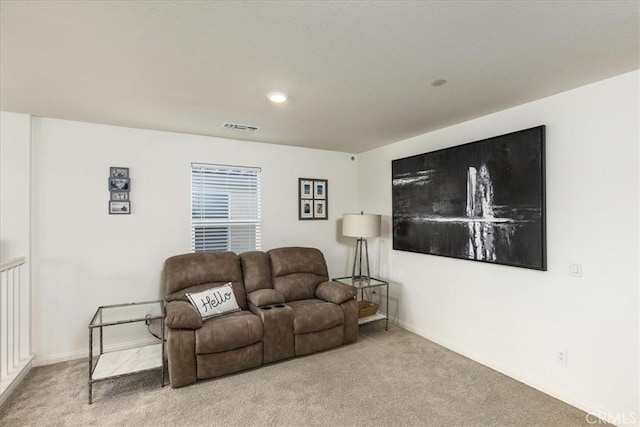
(393, 378)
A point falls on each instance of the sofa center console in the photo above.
(277, 342)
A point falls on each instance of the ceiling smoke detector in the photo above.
(241, 128)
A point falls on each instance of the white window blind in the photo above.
(225, 208)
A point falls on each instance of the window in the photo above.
(225, 208)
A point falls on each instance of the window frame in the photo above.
(242, 187)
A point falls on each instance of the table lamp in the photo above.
(362, 226)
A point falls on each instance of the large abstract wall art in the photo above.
(483, 201)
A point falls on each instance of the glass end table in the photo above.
(361, 283)
(120, 363)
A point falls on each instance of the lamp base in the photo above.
(357, 261)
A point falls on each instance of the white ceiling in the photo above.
(358, 74)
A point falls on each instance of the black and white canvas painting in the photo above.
(483, 201)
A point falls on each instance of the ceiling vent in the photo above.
(241, 128)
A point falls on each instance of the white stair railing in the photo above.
(15, 324)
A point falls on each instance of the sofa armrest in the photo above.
(182, 315)
(263, 297)
(335, 292)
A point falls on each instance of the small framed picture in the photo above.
(306, 189)
(312, 198)
(119, 195)
(119, 184)
(306, 209)
(119, 208)
(320, 189)
(117, 172)
(320, 209)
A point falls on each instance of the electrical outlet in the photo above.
(147, 319)
(562, 357)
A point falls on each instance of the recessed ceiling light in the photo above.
(438, 82)
(277, 97)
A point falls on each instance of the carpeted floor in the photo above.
(392, 378)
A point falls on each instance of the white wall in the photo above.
(516, 320)
(84, 258)
(15, 214)
(15, 182)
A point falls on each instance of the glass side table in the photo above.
(120, 363)
(361, 283)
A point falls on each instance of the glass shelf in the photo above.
(119, 363)
(361, 283)
(127, 313)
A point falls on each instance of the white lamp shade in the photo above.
(361, 225)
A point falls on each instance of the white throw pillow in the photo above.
(214, 301)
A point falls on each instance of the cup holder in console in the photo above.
(266, 308)
(280, 306)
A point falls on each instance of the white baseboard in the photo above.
(16, 381)
(596, 414)
(84, 353)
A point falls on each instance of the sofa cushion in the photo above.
(215, 301)
(319, 341)
(265, 297)
(182, 315)
(256, 271)
(216, 364)
(196, 272)
(335, 292)
(312, 315)
(228, 332)
(297, 271)
(297, 286)
(297, 260)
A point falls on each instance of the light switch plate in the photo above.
(575, 269)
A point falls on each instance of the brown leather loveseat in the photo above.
(287, 307)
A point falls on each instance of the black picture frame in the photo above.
(118, 172)
(313, 199)
(119, 184)
(482, 201)
(119, 207)
(119, 196)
